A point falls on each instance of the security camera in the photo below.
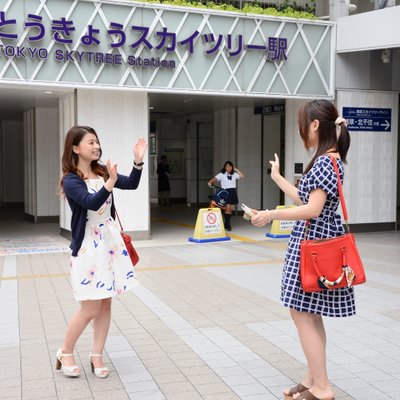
(385, 56)
(351, 7)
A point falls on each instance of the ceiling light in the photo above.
(48, 92)
(385, 56)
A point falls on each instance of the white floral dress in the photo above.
(102, 267)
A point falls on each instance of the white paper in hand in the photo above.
(248, 214)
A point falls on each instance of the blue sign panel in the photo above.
(273, 109)
(368, 119)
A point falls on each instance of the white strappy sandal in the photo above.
(101, 372)
(71, 370)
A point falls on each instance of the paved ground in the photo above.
(206, 322)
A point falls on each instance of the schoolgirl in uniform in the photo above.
(227, 179)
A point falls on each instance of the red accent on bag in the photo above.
(327, 264)
(129, 247)
(128, 243)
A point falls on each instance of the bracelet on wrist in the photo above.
(139, 164)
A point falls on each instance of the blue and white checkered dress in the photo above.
(330, 303)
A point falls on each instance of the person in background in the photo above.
(227, 179)
(317, 198)
(100, 265)
(164, 188)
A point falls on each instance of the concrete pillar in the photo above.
(67, 108)
(338, 8)
(41, 144)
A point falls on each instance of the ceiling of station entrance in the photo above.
(19, 98)
(162, 103)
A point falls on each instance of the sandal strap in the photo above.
(101, 369)
(297, 389)
(96, 355)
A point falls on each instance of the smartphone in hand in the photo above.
(248, 214)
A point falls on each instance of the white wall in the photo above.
(120, 118)
(272, 144)
(41, 162)
(365, 70)
(354, 32)
(294, 147)
(47, 161)
(353, 70)
(249, 157)
(371, 173)
(225, 137)
(66, 121)
(30, 198)
(11, 161)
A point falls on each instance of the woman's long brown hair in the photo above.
(326, 113)
(69, 161)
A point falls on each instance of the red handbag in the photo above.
(331, 263)
(128, 243)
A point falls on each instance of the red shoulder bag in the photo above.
(331, 263)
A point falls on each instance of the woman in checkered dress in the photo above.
(317, 198)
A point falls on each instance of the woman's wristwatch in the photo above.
(139, 164)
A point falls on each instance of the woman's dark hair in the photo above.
(69, 161)
(223, 170)
(326, 113)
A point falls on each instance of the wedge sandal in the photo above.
(307, 395)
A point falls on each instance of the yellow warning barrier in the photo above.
(209, 226)
(281, 229)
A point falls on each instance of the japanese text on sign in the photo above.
(62, 31)
(368, 119)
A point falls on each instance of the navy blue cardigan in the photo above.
(80, 200)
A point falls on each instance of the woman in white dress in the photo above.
(100, 264)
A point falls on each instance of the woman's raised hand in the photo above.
(139, 149)
(275, 171)
(112, 171)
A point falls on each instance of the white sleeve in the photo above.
(219, 176)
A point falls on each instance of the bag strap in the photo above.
(116, 214)
(341, 197)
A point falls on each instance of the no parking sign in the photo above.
(209, 226)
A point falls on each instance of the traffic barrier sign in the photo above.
(209, 226)
(281, 229)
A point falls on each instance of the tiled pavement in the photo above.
(206, 323)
